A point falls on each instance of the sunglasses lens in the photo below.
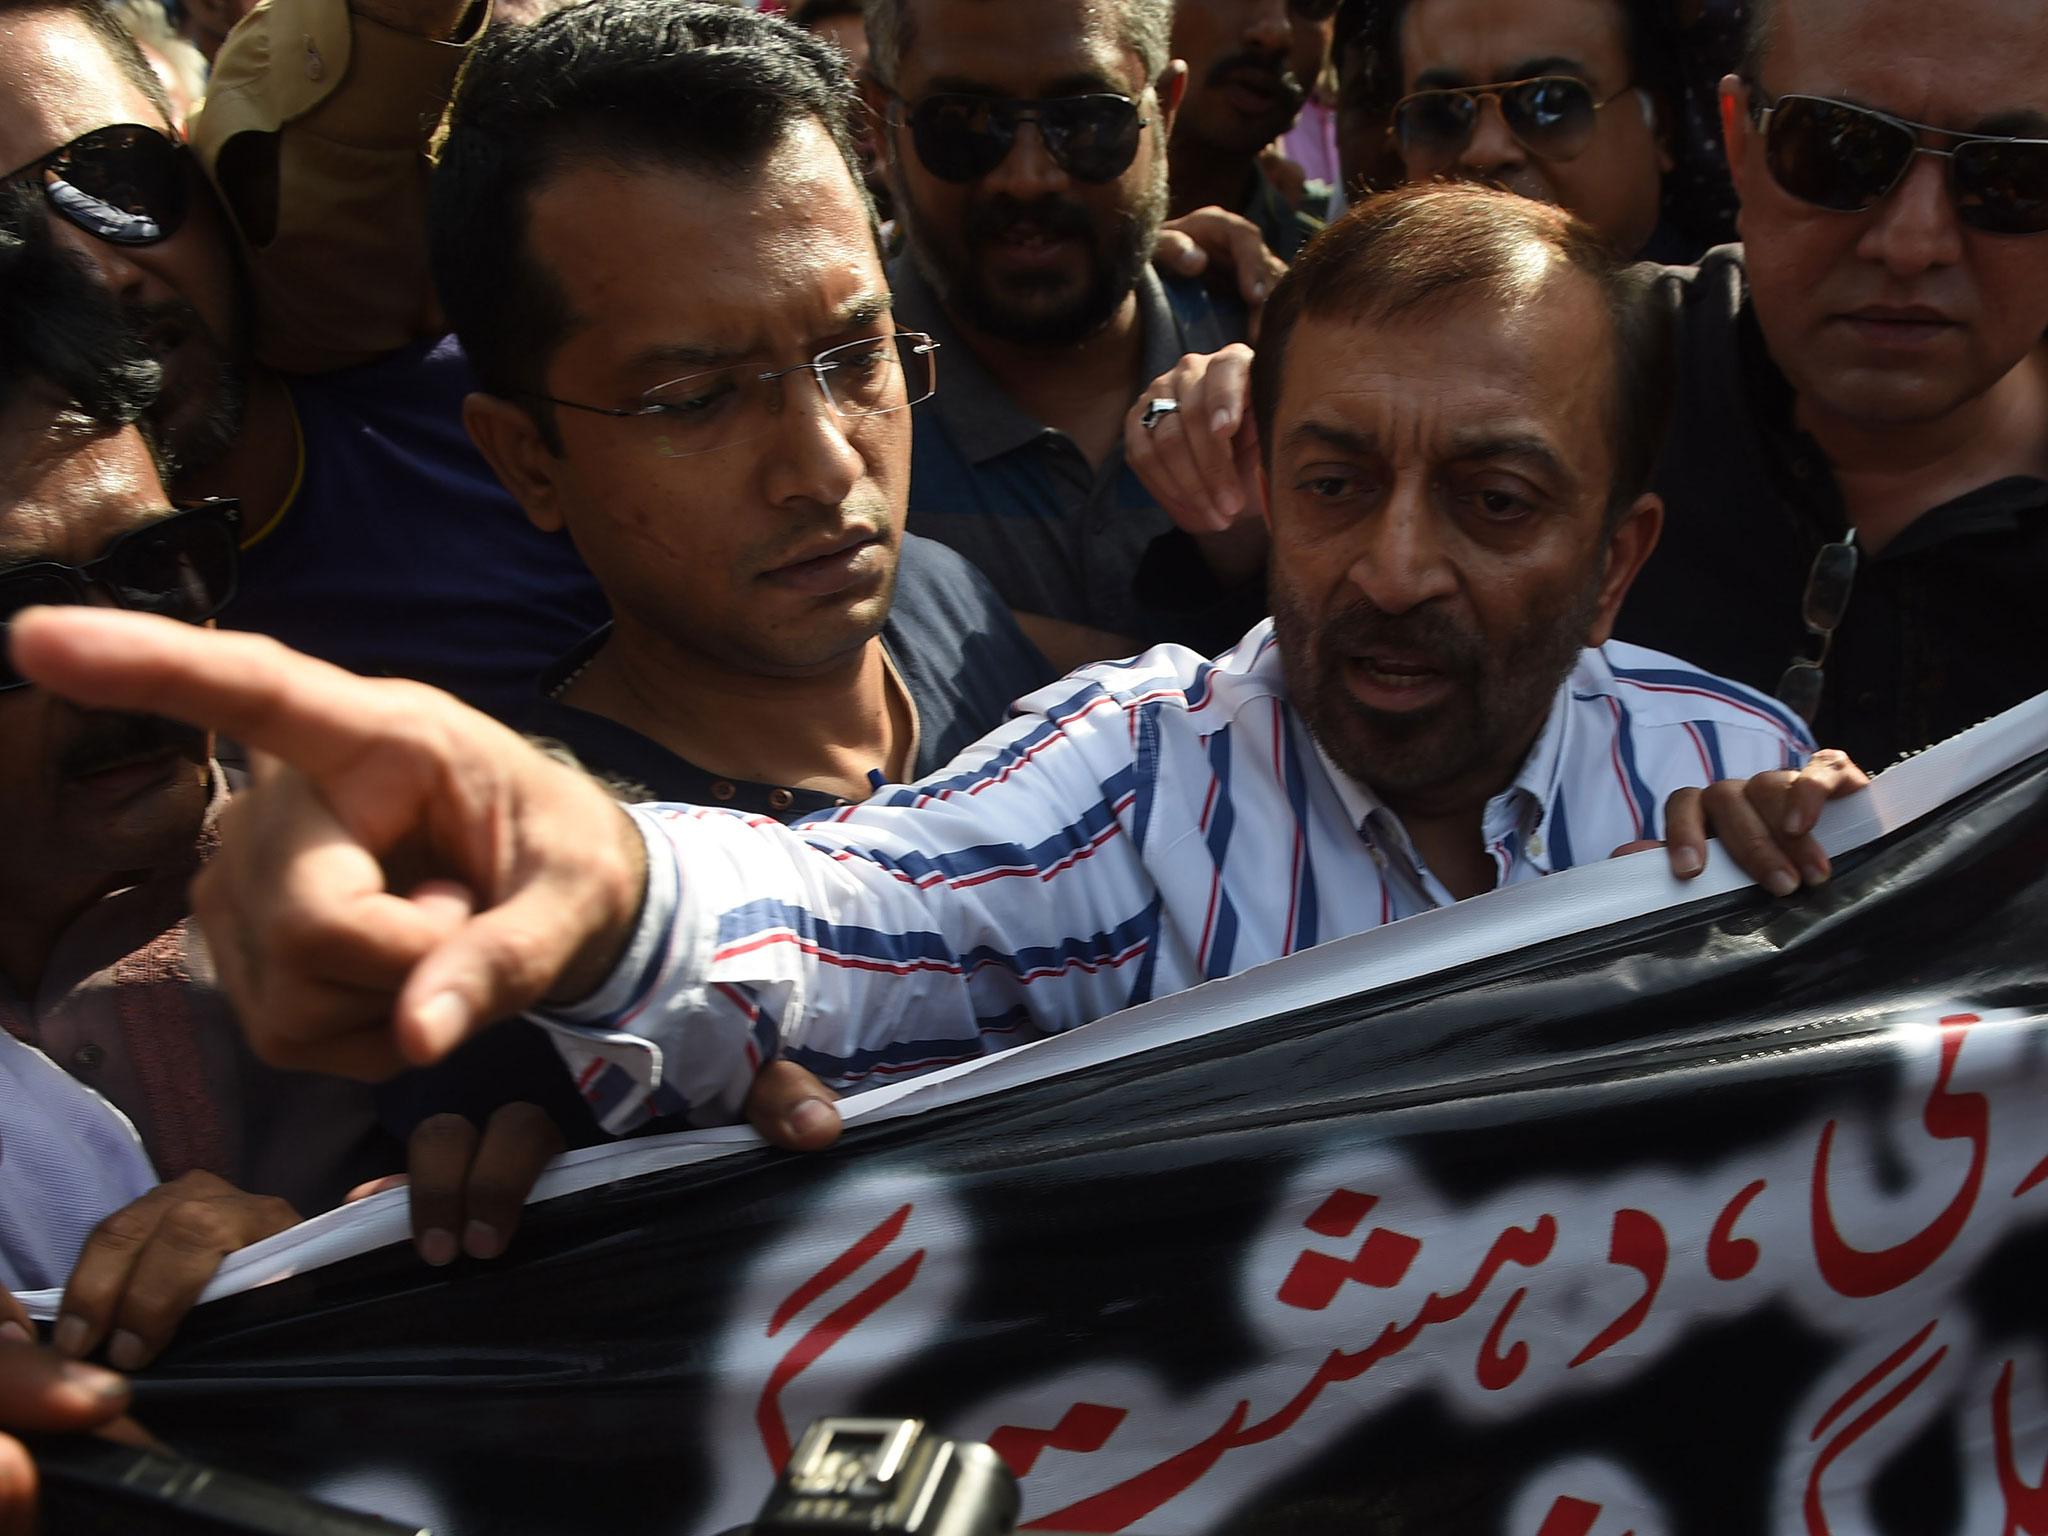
(1094, 138)
(1800, 688)
(125, 184)
(1553, 117)
(961, 138)
(182, 567)
(2003, 186)
(1833, 155)
(1433, 126)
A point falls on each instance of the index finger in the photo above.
(264, 695)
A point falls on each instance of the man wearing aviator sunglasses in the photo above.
(1857, 485)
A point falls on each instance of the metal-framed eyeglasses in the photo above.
(721, 408)
(1828, 585)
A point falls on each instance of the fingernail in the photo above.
(12, 1332)
(1259, 289)
(813, 1117)
(1687, 861)
(1220, 423)
(1816, 873)
(1782, 882)
(126, 1351)
(481, 1240)
(72, 1335)
(103, 1386)
(437, 1246)
(1795, 822)
(445, 1015)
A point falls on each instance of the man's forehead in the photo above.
(57, 81)
(63, 493)
(1471, 42)
(1011, 49)
(1961, 64)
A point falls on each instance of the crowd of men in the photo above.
(682, 563)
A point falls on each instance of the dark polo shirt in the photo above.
(1054, 533)
(1945, 626)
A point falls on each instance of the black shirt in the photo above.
(960, 654)
(1944, 625)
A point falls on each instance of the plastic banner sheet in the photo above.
(1603, 1205)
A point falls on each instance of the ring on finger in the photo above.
(1157, 411)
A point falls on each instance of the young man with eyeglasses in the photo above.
(1026, 148)
(1242, 95)
(650, 228)
(1857, 480)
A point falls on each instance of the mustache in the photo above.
(109, 740)
(1362, 628)
(996, 216)
(1273, 65)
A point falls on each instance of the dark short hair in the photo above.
(1403, 251)
(64, 345)
(1756, 36)
(1143, 26)
(100, 20)
(711, 89)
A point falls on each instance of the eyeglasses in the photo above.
(1828, 586)
(182, 566)
(1551, 116)
(722, 407)
(1848, 159)
(963, 138)
(125, 184)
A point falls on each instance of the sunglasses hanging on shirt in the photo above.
(1828, 585)
(1848, 159)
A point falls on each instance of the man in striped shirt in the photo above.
(1460, 395)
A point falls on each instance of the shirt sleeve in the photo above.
(315, 130)
(1000, 901)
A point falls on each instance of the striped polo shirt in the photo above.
(1134, 829)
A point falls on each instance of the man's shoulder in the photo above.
(1661, 691)
(1173, 680)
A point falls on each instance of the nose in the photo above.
(1492, 149)
(1915, 228)
(809, 458)
(1028, 171)
(1403, 562)
(1269, 28)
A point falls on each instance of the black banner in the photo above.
(1731, 1217)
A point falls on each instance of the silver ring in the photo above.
(1156, 411)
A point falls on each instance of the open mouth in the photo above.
(1395, 682)
(834, 568)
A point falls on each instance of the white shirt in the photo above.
(1136, 828)
(68, 1158)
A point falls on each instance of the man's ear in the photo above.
(512, 445)
(1628, 548)
(1735, 127)
(874, 96)
(1171, 86)
(1656, 121)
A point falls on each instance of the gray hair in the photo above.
(1756, 38)
(1146, 29)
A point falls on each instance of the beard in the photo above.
(1048, 309)
(198, 416)
(1500, 695)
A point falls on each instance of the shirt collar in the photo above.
(1518, 809)
(979, 417)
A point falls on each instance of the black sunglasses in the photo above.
(1552, 116)
(1848, 159)
(962, 138)
(1828, 585)
(182, 566)
(124, 183)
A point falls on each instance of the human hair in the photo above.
(1405, 252)
(808, 13)
(1756, 37)
(98, 19)
(1146, 28)
(707, 88)
(64, 344)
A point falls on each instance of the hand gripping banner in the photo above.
(1603, 1205)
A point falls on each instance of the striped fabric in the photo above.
(1136, 828)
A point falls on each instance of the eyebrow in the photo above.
(1478, 444)
(855, 314)
(1529, 69)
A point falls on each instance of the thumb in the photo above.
(501, 962)
(1181, 252)
(40, 1391)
